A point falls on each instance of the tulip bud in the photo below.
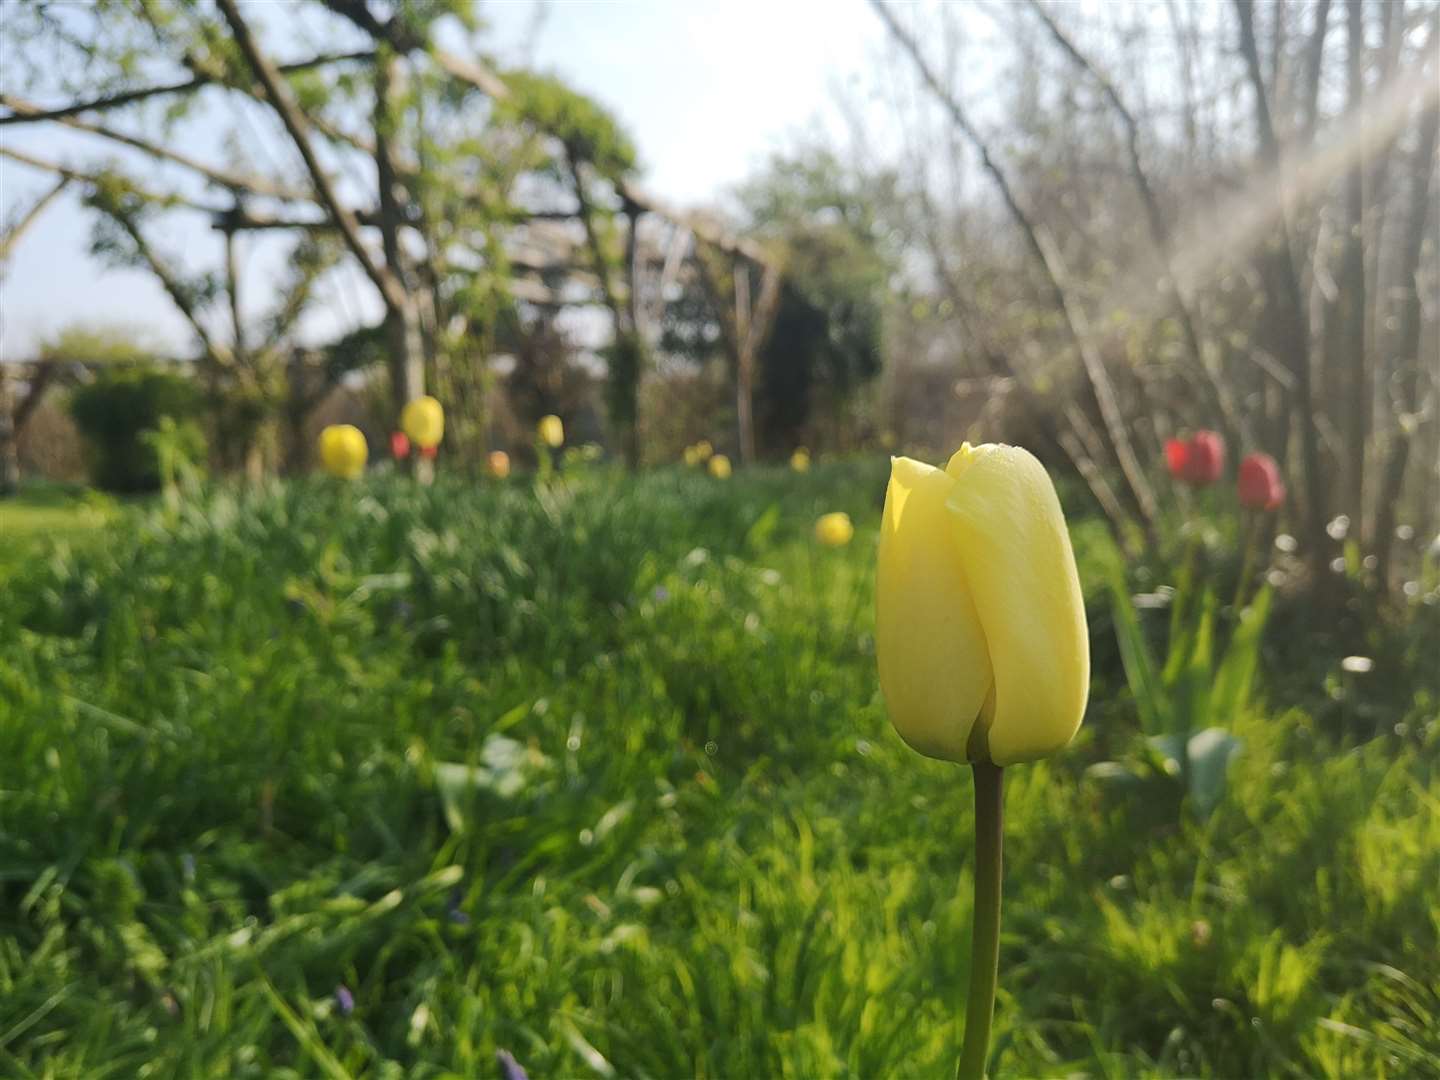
(399, 445)
(691, 457)
(343, 451)
(703, 450)
(499, 462)
(720, 467)
(1259, 485)
(980, 624)
(800, 460)
(551, 431)
(423, 419)
(1176, 451)
(834, 530)
(1198, 461)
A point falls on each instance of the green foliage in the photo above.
(827, 337)
(177, 459)
(90, 344)
(586, 129)
(598, 774)
(1183, 705)
(117, 408)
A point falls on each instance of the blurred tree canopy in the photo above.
(828, 335)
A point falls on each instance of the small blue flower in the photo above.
(344, 1000)
(452, 908)
(661, 594)
(510, 1068)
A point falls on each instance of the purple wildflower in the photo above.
(344, 1000)
(510, 1068)
(452, 908)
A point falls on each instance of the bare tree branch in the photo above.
(472, 74)
(12, 235)
(257, 185)
(215, 352)
(1048, 259)
(129, 97)
(1292, 327)
(1155, 219)
(92, 178)
(295, 123)
(1314, 62)
(1070, 444)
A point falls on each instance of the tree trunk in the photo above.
(1290, 324)
(9, 437)
(1355, 374)
(402, 321)
(1408, 362)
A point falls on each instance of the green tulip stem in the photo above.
(985, 935)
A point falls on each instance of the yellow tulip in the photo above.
(980, 625)
(499, 462)
(703, 450)
(691, 457)
(423, 419)
(720, 467)
(800, 460)
(834, 530)
(551, 430)
(343, 451)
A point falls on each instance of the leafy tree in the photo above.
(827, 339)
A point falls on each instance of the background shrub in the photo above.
(118, 407)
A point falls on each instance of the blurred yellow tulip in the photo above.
(800, 460)
(551, 431)
(499, 462)
(980, 625)
(423, 419)
(691, 457)
(703, 450)
(343, 451)
(834, 530)
(720, 467)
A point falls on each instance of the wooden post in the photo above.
(9, 437)
(744, 368)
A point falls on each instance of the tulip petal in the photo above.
(934, 667)
(1016, 555)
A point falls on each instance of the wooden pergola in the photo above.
(553, 256)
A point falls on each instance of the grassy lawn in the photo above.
(600, 775)
(43, 513)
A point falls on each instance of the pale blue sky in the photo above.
(707, 89)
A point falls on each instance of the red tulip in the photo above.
(429, 451)
(1176, 451)
(1260, 486)
(1197, 461)
(399, 445)
(1207, 457)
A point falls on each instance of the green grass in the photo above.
(45, 514)
(602, 777)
